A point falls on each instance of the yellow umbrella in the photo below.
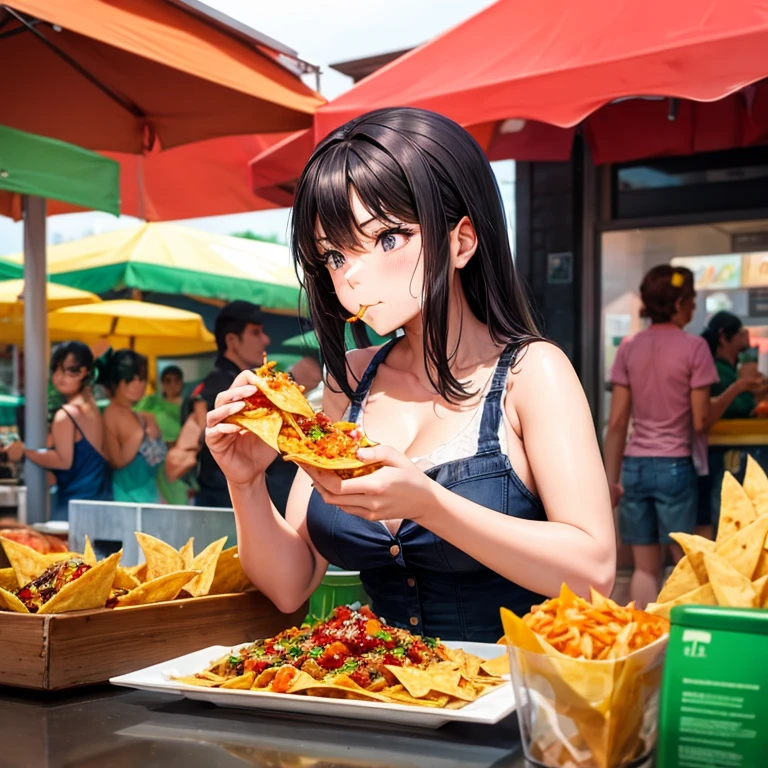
(58, 296)
(151, 329)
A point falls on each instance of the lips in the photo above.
(363, 309)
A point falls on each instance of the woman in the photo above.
(134, 445)
(76, 456)
(661, 378)
(491, 472)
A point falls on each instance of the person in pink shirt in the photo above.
(661, 379)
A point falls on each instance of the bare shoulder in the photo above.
(542, 374)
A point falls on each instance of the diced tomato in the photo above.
(362, 677)
(259, 400)
(414, 654)
(256, 665)
(392, 660)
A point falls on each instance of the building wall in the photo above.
(549, 222)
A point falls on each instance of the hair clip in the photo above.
(677, 279)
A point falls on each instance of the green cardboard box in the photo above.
(714, 694)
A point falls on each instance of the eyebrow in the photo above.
(360, 226)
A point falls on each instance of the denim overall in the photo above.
(415, 579)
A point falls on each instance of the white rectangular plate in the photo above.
(488, 709)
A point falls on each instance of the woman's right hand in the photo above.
(241, 454)
(755, 384)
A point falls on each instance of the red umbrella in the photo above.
(274, 172)
(206, 178)
(557, 61)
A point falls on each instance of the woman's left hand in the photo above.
(399, 490)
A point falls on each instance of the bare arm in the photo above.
(60, 455)
(122, 439)
(277, 554)
(616, 434)
(719, 405)
(700, 409)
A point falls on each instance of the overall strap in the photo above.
(72, 419)
(368, 377)
(488, 440)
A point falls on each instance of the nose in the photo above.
(352, 274)
(265, 339)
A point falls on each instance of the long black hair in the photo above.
(82, 356)
(123, 365)
(421, 168)
(721, 325)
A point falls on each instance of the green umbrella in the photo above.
(306, 342)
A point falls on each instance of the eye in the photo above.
(391, 239)
(334, 260)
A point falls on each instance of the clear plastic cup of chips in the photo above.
(576, 710)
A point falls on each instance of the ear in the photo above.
(463, 243)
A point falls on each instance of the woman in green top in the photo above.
(134, 446)
(727, 339)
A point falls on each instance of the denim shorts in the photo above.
(660, 497)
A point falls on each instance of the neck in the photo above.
(122, 401)
(469, 344)
(729, 357)
(237, 360)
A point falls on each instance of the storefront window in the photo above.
(730, 264)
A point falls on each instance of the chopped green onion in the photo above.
(430, 642)
(315, 433)
(315, 652)
(385, 636)
(399, 651)
(348, 666)
(235, 660)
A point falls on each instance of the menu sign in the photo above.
(756, 269)
(713, 272)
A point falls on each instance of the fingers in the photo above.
(383, 454)
(219, 414)
(244, 378)
(234, 394)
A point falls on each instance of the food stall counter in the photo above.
(739, 433)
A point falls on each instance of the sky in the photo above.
(322, 33)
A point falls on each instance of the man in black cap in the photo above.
(241, 341)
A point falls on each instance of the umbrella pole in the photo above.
(35, 356)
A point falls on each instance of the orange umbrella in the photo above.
(557, 61)
(119, 74)
(275, 171)
(206, 178)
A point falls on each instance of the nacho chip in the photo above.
(264, 424)
(702, 595)
(282, 391)
(161, 558)
(696, 548)
(756, 486)
(157, 590)
(743, 549)
(205, 563)
(420, 682)
(28, 563)
(138, 571)
(681, 581)
(89, 556)
(736, 510)
(8, 579)
(91, 590)
(229, 576)
(9, 602)
(124, 579)
(761, 590)
(242, 682)
(497, 667)
(732, 589)
(188, 554)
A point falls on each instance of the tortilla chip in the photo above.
(761, 590)
(695, 548)
(229, 576)
(323, 462)
(421, 682)
(8, 579)
(138, 571)
(89, 556)
(681, 581)
(736, 510)
(161, 558)
(91, 590)
(702, 595)
(285, 394)
(194, 680)
(28, 563)
(732, 589)
(205, 563)
(497, 667)
(9, 602)
(743, 550)
(157, 590)
(124, 579)
(265, 424)
(241, 682)
(187, 553)
(756, 486)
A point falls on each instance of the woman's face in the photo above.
(686, 307)
(68, 377)
(737, 343)
(171, 385)
(133, 390)
(385, 273)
